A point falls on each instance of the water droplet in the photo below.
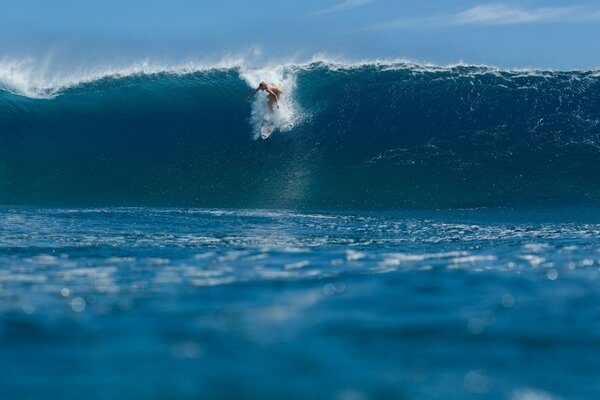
(508, 301)
(340, 287)
(78, 304)
(329, 289)
(475, 326)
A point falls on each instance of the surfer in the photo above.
(274, 92)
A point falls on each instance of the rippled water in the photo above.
(187, 304)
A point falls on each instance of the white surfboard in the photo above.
(267, 128)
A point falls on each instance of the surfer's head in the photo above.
(262, 86)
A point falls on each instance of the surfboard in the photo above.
(266, 129)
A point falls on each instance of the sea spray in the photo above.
(288, 113)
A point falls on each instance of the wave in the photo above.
(351, 135)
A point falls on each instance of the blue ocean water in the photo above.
(408, 232)
(220, 303)
(367, 136)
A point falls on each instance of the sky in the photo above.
(555, 34)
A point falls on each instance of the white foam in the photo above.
(28, 78)
(40, 79)
(288, 114)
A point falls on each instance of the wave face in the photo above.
(370, 136)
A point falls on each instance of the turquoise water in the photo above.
(118, 303)
(378, 136)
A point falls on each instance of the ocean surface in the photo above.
(408, 232)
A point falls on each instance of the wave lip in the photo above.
(28, 78)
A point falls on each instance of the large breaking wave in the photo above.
(370, 135)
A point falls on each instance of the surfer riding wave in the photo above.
(274, 93)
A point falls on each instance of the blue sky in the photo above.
(527, 33)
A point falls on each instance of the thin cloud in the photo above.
(344, 5)
(495, 14)
(594, 16)
(498, 14)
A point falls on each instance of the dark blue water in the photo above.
(117, 303)
(386, 136)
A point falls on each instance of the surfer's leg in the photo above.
(272, 100)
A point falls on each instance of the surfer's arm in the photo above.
(251, 94)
